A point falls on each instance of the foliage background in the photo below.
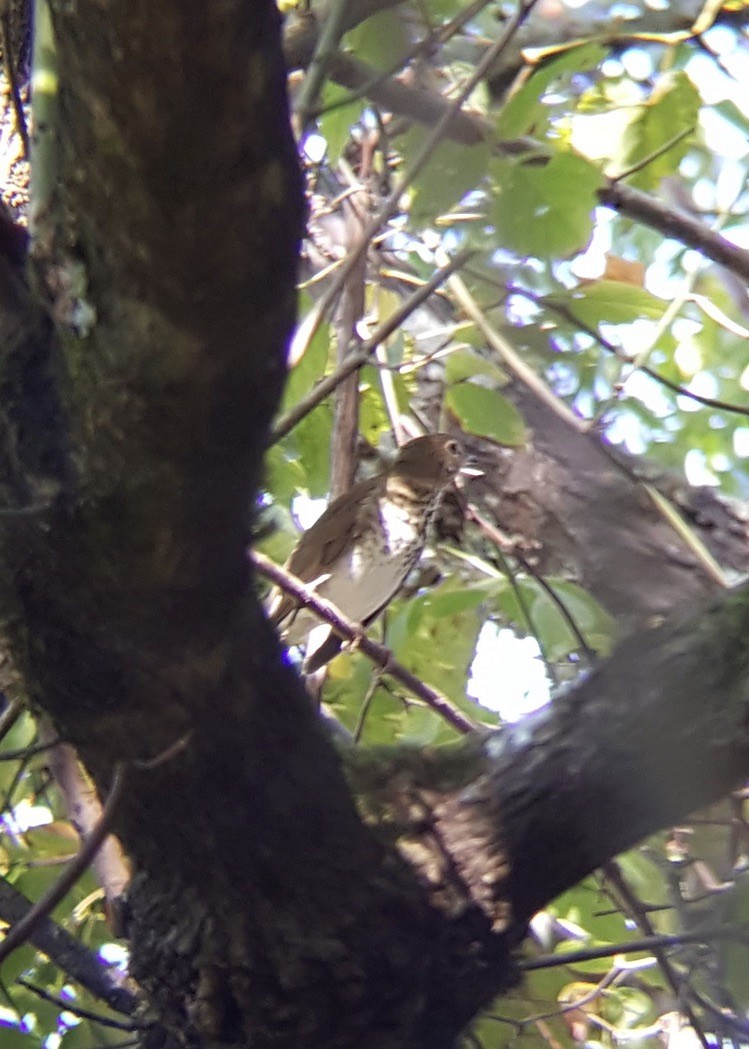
(635, 336)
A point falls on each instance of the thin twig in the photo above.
(84, 809)
(327, 44)
(645, 943)
(634, 906)
(74, 959)
(349, 313)
(470, 129)
(511, 358)
(677, 225)
(391, 204)
(505, 546)
(78, 1010)
(23, 753)
(659, 152)
(367, 80)
(10, 716)
(362, 356)
(567, 314)
(23, 930)
(353, 632)
(11, 75)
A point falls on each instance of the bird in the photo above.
(360, 551)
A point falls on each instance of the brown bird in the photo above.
(359, 552)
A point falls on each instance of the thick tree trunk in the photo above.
(265, 911)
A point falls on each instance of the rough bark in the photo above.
(582, 512)
(262, 909)
(579, 508)
(655, 731)
(265, 911)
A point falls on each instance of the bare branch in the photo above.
(354, 632)
(68, 953)
(357, 360)
(24, 929)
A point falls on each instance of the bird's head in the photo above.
(432, 461)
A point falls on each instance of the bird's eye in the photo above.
(452, 447)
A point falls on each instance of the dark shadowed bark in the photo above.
(265, 911)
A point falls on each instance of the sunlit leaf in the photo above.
(17, 962)
(20, 734)
(465, 364)
(611, 302)
(673, 107)
(83, 1036)
(436, 639)
(419, 726)
(554, 627)
(524, 112)
(311, 440)
(545, 208)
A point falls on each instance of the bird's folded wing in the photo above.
(321, 546)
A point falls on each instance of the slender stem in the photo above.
(358, 359)
(392, 202)
(23, 930)
(354, 632)
(327, 44)
(645, 943)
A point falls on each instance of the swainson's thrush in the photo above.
(359, 552)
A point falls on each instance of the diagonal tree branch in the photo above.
(381, 656)
(68, 953)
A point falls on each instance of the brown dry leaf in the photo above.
(624, 271)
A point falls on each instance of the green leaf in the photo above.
(525, 113)
(308, 370)
(588, 907)
(554, 630)
(374, 420)
(674, 106)
(465, 364)
(435, 639)
(335, 123)
(284, 476)
(419, 726)
(311, 440)
(35, 881)
(509, 1022)
(610, 302)
(548, 622)
(486, 413)
(12, 1038)
(452, 171)
(380, 40)
(82, 1037)
(446, 9)
(731, 112)
(45, 1014)
(17, 962)
(544, 209)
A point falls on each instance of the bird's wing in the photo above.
(321, 545)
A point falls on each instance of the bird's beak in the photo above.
(471, 468)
